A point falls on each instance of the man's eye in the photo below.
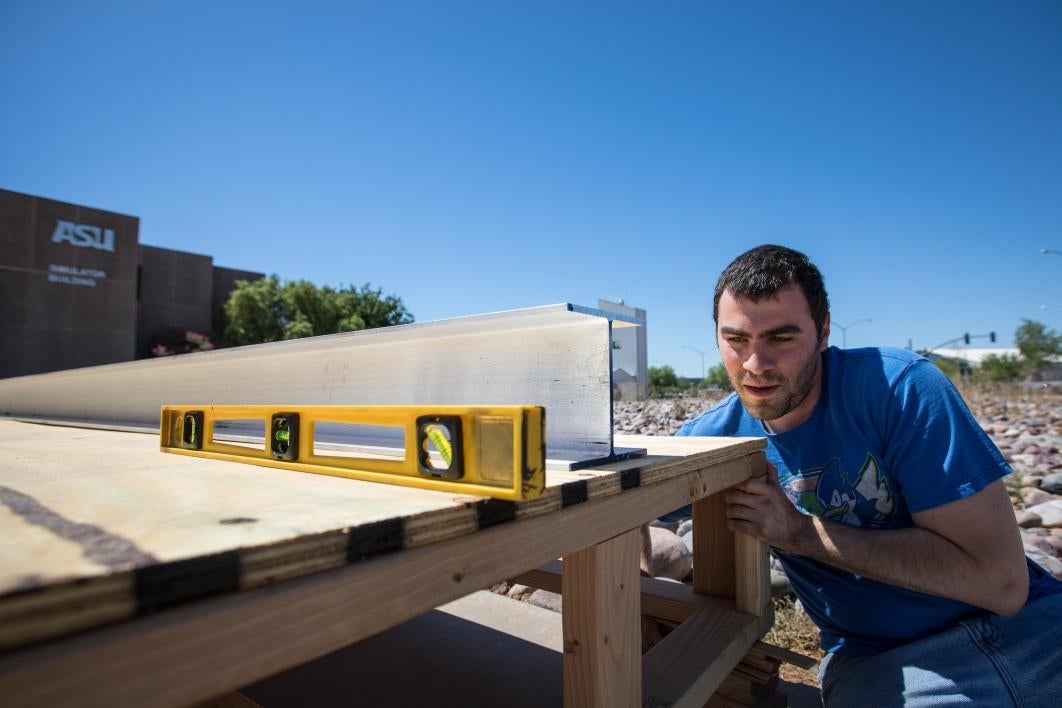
(781, 340)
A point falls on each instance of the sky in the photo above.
(474, 157)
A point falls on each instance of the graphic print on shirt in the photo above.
(826, 492)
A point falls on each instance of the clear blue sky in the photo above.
(476, 157)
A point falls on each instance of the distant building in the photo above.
(971, 355)
(969, 358)
(625, 386)
(630, 367)
(77, 288)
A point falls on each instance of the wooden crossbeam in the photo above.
(686, 668)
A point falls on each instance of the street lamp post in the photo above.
(704, 374)
(844, 330)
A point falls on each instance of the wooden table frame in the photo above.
(207, 648)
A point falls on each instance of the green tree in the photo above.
(267, 310)
(717, 376)
(661, 380)
(373, 307)
(1037, 343)
(1005, 367)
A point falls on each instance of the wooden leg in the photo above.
(752, 563)
(713, 549)
(726, 564)
(601, 620)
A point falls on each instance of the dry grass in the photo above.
(793, 630)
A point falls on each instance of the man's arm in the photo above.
(968, 550)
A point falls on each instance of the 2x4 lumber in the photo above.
(784, 655)
(686, 668)
(163, 659)
(728, 564)
(752, 572)
(760, 662)
(660, 599)
(666, 600)
(601, 622)
(713, 548)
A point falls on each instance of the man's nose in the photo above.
(758, 360)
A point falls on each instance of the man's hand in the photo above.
(761, 509)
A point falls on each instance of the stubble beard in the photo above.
(793, 393)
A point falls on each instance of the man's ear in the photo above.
(825, 339)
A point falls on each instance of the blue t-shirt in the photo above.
(889, 435)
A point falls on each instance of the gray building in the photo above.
(78, 289)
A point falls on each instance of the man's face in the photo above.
(771, 353)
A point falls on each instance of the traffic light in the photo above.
(991, 336)
(966, 337)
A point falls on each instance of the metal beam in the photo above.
(556, 356)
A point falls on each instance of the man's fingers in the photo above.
(742, 511)
(772, 475)
(740, 497)
(751, 486)
(738, 525)
(746, 527)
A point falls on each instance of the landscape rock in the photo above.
(1055, 543)
(671, 557)
(671, 526)
(1033, 541)
(1050, 513)
(1024, 460)
(1052, 483)
(1028, 519)
(1035, 495)
(546, 599)
(1046, 561)
(520, 592)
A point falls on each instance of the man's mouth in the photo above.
(761, 390)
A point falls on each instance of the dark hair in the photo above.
(764, 270)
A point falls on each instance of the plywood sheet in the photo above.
(100, 525)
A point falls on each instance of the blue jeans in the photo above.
(988, 661)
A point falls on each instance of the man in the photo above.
(883, 502)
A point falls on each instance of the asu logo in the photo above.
(83, 236)
(867, 501)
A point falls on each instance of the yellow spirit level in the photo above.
(496, 451)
